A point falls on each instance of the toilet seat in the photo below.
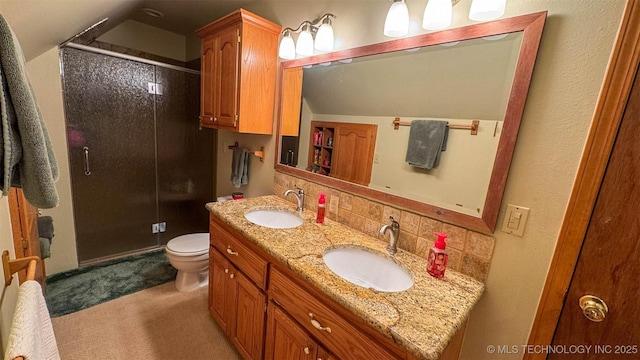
(189, 244)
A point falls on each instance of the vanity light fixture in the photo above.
(485, 10)
(397, 22)
(304, 47)
(438, 13)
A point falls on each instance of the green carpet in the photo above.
(81, 288)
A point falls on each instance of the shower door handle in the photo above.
(87, 171)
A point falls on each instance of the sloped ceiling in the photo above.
(43, 24)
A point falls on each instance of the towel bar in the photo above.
(258, 153)
(10, 267)
(475, 124)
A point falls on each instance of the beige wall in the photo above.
(134, 35)
(575, 47)
(44, 72)
(8, 295)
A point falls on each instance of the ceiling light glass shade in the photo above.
(437, 15)
(397, 22)
(304, 46)
(484, 10)
(324, 38)
(287, 49)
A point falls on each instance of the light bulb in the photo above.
(485, 10)
(437, 15)
(397, 21)
(324, 37)
(287, 49)
(304, 46)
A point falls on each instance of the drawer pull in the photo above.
(231, 252)
(306, 350)
(317, 325)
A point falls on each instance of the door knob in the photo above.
(593, 308)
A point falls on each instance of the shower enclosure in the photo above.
(141, 170)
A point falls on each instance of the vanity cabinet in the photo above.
(286, 339)
(262, 305)
(338, 334)
(236, 300)
(343, 150)
(239, 57)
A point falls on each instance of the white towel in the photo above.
(31, 334)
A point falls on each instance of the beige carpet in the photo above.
(157, 323)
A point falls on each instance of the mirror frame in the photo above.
(531, 25)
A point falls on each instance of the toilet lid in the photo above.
(190, 243)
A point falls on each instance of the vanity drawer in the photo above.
(246, 260)
(341, 337)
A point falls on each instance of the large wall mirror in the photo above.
(475, 78)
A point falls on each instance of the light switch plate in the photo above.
(515, 219)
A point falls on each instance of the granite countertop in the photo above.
(421, 319)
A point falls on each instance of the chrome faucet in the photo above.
(299, 196)
(393, 235)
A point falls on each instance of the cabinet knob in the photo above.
(215, 119)
(231, 252)
(307, 350)
(226, 271)
(232, 276)
(317, 325)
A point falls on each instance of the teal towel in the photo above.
(28, 161)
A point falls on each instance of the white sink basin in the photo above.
(275, 219)
(367, 269)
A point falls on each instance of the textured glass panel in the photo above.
(110, 112)
(185, 155)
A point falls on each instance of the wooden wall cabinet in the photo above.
(344, 150)
(291, 101)
(301, 322)
(239, 57)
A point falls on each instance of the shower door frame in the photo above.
(159, 242)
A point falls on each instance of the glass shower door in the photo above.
(185, 155)
(111, 140)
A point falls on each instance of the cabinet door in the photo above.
(249, 315)
(323, 354)
(219, 288)
(286, 339)
(207, 81)
(291, 101)
(353, 149)
(226, 95)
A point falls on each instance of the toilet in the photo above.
(189, 254)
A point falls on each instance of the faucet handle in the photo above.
(394, 223)
(300, 190)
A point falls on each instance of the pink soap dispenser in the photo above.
(437, 262)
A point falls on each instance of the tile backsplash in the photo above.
(469, 252)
